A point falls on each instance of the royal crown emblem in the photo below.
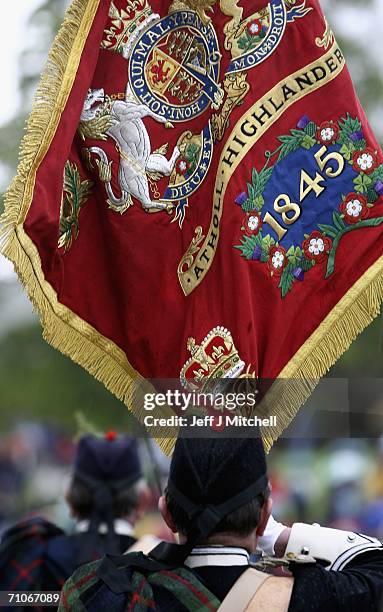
(126, 24)
(216, 357)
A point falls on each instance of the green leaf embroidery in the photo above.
(75, 194)
(287, 279)
(268, 242)
(242, 43)
(290, 143)
(337, 220)
(260, 179)
(259, 202)
(328, 230)
(253, 204)
(362, 182)
(360, 144)
(347, 149)
(371, 194)
(306, 264)
(294, 255)
(247, 246)
(248, 41)
(258, 239)
(308, 142)
(348, 126)
(377, 175)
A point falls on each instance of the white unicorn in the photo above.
(136, 158)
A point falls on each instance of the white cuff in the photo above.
(270, 536)
(333, 546)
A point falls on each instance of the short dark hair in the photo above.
(80, 498)
(240, 522)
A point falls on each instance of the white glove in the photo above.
(271, 534)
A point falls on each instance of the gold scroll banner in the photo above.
(246, 133)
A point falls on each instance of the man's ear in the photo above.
(264, 516)
(164, 510)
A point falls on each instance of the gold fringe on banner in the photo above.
(74, 337)
(101, 357)
(351, 315)
(48, 104)
(63, 329)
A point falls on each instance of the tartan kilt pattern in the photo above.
(177, 590)
(23, 565)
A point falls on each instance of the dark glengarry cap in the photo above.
(209, 479)
(214, 470)
(109, 458)
(105, 465)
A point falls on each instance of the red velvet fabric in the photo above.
(120, 274)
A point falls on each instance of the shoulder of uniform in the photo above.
(86, 571)
(34, 528)
(79, 582)
(274, 594)
(333, 547)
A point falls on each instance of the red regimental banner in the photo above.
(199, 195)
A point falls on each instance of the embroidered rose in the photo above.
(252, 223)
(354, 208)
(254, 28)
(327, 133)
(182, 166)
(316, 246)
(365, 161)
(277, 260)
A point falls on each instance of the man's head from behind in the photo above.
(107, 477)
(224, 479)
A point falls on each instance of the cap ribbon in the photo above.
(204, 518)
